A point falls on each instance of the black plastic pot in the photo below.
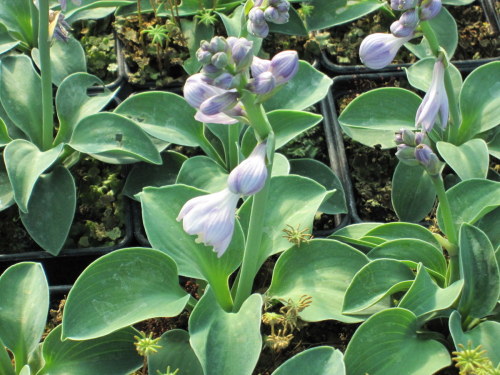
(335, 69)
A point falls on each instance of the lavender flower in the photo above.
(251, 174)
(58, 27)
(212, 218)
(428, 159)
(406, 154)
(407, 142)
(214, 104)
(378, 50)
(276, 12)
(241, 52)
(430, 10)
(406, 24)
(257, 24)
(284, 66)
(435, 101)
(269, 74)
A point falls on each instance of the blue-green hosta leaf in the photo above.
(6, 192)
(6, 366)
(16, 16)
(145, 174)
(114, 354)
(308, 87)
(165, 116)
(375, 281)
(176, 353)
(25, 163)
(489, 225)
(469, 160)
(160, 208)
(394, 231)
(54, 199)
(114, 138)
(7, 42)
(219, 352)
(203, 173)
(321, 360)
(470, 200)
(485, 334)
(380, 344)
(120, 289)
(322, 269)
(21, 95)
(479, 270)
(66, 58)
(426, 299)
(26, 370)
(480, 101)
(413, 250)
(73, 10)
(294, 26)
(73, 103)
(4, 133)
(194, 32)
(445, 28)
(413, 193)
(389, 109)
(295, 201)
(24, 296)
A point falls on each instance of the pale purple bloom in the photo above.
(271, 14)
(263, 83)
(214, 104)
(435, 101)
(58, 27)
(406, 154)
(224, 81)
(212, 218)
(259, 66)
(219, 60)
(241, 52)
(403, 4)
(250, 175)
(406, 24)
(430, 10)
(405, 136)
(269, 74)
(257, 24)
(428, 159)
(378, 50)
(284, 66)
(276, 12)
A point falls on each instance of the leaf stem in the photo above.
(234, 134)
(447, 215)
(46, 73)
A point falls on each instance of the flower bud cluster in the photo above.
(268, 74)
(414, 149)
(264, 11)
(212, 216)
(379, 49)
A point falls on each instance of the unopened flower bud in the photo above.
(406, 24)
(408, 137)
(250, 175)
(203, 56)
(218, 44)
(378, 50)
(258, 30)
(219, 60)
(284, 66)
(421, 138)
(403, 4)
(211, 69)
(219, 103)
(428, 159)
(256, 16)
(406, 154)
(224, 81)
(271, 14)
(283, 7)
(242, 53)
(263, 83)
(259, 66)
(430, 10)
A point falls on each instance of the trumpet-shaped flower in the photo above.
(214, 104)
(251, 174)
(269, 74)
(435, 101)
(212, 218)
(378, 50)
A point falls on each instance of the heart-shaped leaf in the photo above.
(218, 352)
(353, 233)
(21, 95)
(322, 360)
(203, 173)
(324, 274)
(175, 353)
(25, 163)
(73, 102)
(7, 42)
(469, 160)
(115, 137)
(54, 199)
(294, 26)
(378, 346)
(16, 15)
(390, 109)
(24, 296)
(114, 354)
(120, 289)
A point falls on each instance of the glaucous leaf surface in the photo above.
(176, 353)
(113, 354)
(53, 199)
(16, 16)
(353, 233)
(470, 200)
(73, 102)
(324, 274)
(4, 133)
(489, 225)
(93, 9)
(413, 193)
(294, 26)
(469, 160)
(24, 296)
(203, 173)
(25, 163)
(389, 109)
(7, 42)
(114, 137)
(321, 360)
(379, 345)
(218, 351)
(6, 367)
(6, 192)
(395, 231)
(308, 87)
(122, 288)
(194, 32)
(479, 270)
(21, 95)
(165, 116)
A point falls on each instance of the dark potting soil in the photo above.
(476, 39)
(99, 217)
